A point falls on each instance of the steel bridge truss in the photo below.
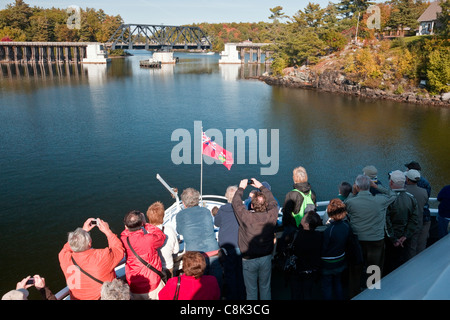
(158, 37)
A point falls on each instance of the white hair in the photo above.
(190, 197)
(115, 290)
(229, 194)
(79, 240)
(299, 175)
(363, 182)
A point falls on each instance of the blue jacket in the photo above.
(335, 239)
(228, 224)
(196, 226)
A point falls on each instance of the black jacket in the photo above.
(293, 202)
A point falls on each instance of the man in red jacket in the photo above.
(78, 254)
(145, 239)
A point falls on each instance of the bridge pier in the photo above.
(235, 53)
(165, 57)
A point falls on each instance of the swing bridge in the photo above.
(158, 38)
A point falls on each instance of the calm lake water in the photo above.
(87, 141)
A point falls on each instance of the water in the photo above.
(87, 141)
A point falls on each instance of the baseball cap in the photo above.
(413, 175)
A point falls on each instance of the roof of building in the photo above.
(431, 12)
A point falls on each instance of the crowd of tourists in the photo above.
(321, 257)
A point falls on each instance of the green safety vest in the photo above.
(307, 200)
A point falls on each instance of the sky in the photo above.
(179, 12)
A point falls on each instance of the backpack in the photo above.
(307, 205)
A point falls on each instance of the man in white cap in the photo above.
(419, 240)
(401, 223)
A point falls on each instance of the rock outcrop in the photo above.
(337, 82)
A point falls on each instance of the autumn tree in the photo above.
(438, 71)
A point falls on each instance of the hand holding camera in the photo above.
(250, 182)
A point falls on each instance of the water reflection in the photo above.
(355, 132)
(96, 73)
(40, 70)
(230, 72)
(242, 71)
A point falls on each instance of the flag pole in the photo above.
(201, 167)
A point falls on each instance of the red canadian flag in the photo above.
(213, 150)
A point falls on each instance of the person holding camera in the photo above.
(142, 241)
(256, 238)
(86, 268)
(21, 292)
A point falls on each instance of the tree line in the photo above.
(20, 22)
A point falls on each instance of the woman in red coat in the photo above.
(145, 240)
(192, 285)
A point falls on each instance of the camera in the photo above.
(30, 281)
(93, 222)
(250, 181)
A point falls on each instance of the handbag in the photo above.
(162, 275)
(290, 264)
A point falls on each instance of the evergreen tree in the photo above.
(39, 28)
(277, 14)
(348, 8)
(443, 27)
(312, 16)
(404, 13)
(16, 15)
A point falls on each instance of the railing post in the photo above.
(7, 53)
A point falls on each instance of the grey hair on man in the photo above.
(299, 175)
(229, 194)
(190, 197)
(362, 182)
(79, 240)
(115, 290)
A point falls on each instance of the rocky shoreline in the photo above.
(337, 82)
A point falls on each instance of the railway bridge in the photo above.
(158, 38)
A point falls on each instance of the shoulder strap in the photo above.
(307, 200)
(145, 263)
(177, 290)
(90, 276)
